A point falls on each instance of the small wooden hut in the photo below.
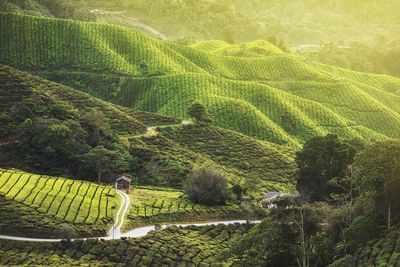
(123, 183)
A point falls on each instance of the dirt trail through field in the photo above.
(116, 232)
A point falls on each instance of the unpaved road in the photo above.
(116, 232)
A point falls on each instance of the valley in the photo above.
(184, 133)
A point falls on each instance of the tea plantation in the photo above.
(152, 205)
(270, 97)
(199, 246)
(163, 159)
(79, 203)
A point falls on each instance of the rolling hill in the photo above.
(280, 98)
(39, 205)
(252, 49)
(164, 149)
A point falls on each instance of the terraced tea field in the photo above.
(152, 205)
(191, 246)
(69, 201)
(281, 98)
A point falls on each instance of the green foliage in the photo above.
(206, 187)
(238, 191)
(321, 160)
(200, 246)
(377, 170)
(382, 251)
(198, 112)
(283, 98)
(253, 49)
(59, 127)
(283, 237)
(166, 205)
(107, 161)
(49, 144)
(362, 230)
(378, 56)
(165, 158)
(67, 9)
(58, 207)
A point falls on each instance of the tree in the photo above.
(238, 191)
(95, 122)
(51, 145)
(378, 169)
(205, 186)
(320, 160)
(346, 191)
(144, 68)
(104, 161)
(198, 112)
(287, 237)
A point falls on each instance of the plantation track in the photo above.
(122, 212)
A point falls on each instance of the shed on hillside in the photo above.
(123, 183)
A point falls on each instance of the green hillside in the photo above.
(166, 157)
(167, 205)
(43, 204)
(270, 98)
(252, 49)
(75, 9)
(164, 150)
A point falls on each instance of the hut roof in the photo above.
(123, 178)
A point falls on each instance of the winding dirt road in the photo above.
(116, 232)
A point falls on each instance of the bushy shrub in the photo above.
(205, 186)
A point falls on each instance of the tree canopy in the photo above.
(205, 186)
(320, 160)
(378, 168)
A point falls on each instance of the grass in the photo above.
(78, 203)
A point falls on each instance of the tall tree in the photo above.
(378, 171)
(96, 124)
(320, 160)
(103, 160)
(198, 112)
(51, 145)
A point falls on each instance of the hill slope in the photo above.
(278, 98)
(251, 49)
(163, 149)
(39, 205)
